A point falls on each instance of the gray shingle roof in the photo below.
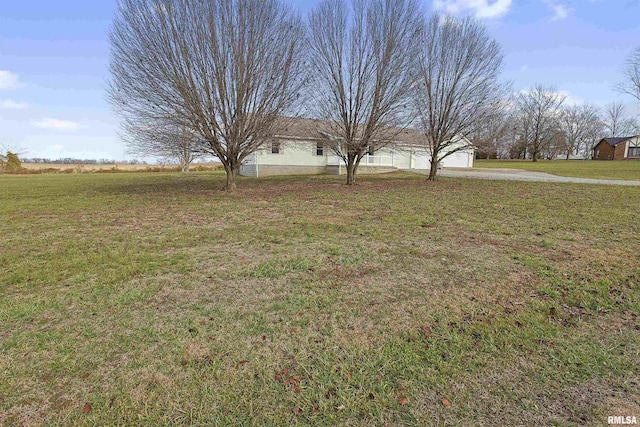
(303, 128)
(615, 141)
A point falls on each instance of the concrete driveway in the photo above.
(523, 175)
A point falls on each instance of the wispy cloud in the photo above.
(570, 99)
(10, 104)
(9, 80)
(480, 8)
(559, 10)
(56, 124)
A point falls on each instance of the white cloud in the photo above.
(524, 68)
(571, 99)
(56, 124)
(10, 104)
(57, 147)
(560, 11)
(480, 8)
(9, 80)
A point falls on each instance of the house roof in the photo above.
(615, 141)
(313, 129)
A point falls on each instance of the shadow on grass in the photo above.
(214, 182)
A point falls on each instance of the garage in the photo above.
(461, 159)
(421, 160)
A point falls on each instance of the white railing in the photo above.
(380, 160)
(367, 160)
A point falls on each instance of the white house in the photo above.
(302, 148)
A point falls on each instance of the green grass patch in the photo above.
(625, 170)
(157, 299)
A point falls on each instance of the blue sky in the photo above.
(54, 56)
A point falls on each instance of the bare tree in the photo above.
(577, 123)
(518, 146)
(224, 69)
(631, 75)
(557, 146)
(617, 122)
(593, 137)
(362, 60)
(165, 140)
(494, 134)
(538, 118)
(458, 87)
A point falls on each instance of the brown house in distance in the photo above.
(626, 148)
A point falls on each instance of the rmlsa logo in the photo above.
(622, 420)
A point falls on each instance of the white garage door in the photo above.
(422, 160)
(457, 160)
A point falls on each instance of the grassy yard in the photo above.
(156, 299)
(628, 170)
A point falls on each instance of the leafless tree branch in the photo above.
(538, 123)
(580, 123)
(458, 87)
(493, 137)
(362, 61)
(224, 69)
(617, 122)
(631, 75)
(164, 140)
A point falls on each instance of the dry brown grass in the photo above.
(158, 299)
(36, 168)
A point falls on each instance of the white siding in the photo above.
(303, 154)
(402, 158)
(293, 153)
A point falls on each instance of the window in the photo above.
(634, 151)
(276, 148)
(319, 149)
(597, 153)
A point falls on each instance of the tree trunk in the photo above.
(352, 169)
(185, 167)
(433, 171)
(231, 172)
(534, 156)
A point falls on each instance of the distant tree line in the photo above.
(74, 161)
(540, 124)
